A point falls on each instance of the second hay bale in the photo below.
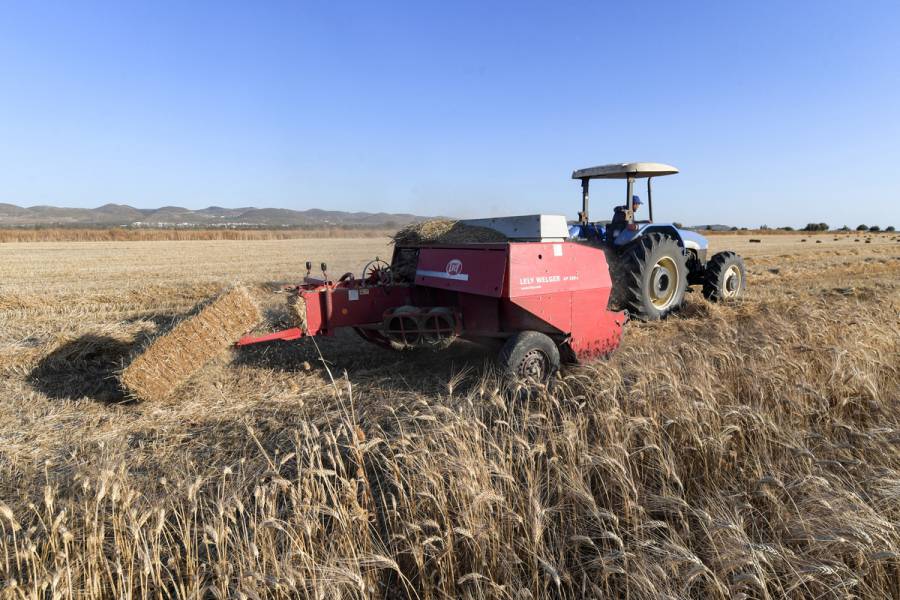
(170, 359)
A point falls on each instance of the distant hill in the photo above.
(176, 216)
(11, 211)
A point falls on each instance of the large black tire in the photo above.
(650, 277)
(725, 277)
(529, 357)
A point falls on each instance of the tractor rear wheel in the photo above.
(725, 278)
(530, 357)
(651, 277)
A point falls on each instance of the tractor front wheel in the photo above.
(530, 357)
(652, 277)
(725, 278)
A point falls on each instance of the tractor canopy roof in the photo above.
(625, 170)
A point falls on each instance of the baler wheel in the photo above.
(652, 277)
(725, 278)
(529, 356)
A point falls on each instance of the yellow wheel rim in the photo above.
(664, 279)
(731, 282)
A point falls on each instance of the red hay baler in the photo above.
(546, 300)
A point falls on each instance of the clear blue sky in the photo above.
(777, 113)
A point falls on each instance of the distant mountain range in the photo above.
(174, 216)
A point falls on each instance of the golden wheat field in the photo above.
(749, 450)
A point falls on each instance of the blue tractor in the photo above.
(653, 264)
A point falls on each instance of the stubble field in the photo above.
(744, 450)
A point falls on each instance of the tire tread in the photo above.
(630, 268)
(714, 269)
(519, 344)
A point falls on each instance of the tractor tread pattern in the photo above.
(714, 269)
(629, 273)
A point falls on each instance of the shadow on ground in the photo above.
(162, 321)
(85, 367)
(367, 363)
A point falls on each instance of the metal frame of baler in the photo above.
(519, 318)
(500, 312)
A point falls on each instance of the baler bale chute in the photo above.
(543, 297)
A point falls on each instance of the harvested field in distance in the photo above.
(122, 234)
(751, 448)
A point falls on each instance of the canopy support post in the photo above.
(629, 205)
(583, 215)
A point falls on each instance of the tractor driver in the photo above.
(619, 211)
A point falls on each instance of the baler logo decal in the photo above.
(454, 267)
(453, 271)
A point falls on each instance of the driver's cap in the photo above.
(636, 199)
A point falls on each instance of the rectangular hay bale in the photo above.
(170, 359)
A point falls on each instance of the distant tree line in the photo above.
(874, 228)
(825, 227)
